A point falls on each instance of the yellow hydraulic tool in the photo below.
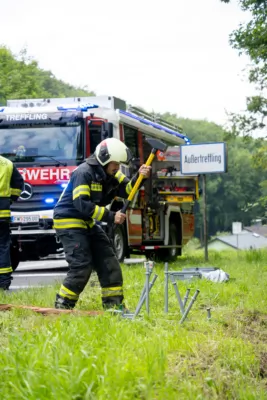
(156, 145)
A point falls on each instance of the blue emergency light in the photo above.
(82, 107)
(64, 185)
(49, 200)
(2, 109)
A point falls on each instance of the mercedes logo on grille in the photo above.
(27, 192)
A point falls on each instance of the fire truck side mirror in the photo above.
(106, 130)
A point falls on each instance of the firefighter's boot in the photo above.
(5, 281)
(63, 303)
(116, 308)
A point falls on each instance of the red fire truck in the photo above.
(48, 138)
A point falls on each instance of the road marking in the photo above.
(37, 275)
(26, 287)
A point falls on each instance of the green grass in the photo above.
(105, 357)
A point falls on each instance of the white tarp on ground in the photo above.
(215, 276)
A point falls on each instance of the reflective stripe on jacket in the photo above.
(11, 185)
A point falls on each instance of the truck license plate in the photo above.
(24, 219)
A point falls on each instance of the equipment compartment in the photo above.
(168, 182)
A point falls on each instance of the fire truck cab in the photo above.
(48, 138)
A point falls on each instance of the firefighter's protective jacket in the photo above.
(11, 185)
(89, 190)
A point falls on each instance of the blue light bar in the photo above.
(155, 125)
(2, 109)
(49, 200)
(82, 107)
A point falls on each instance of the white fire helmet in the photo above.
(112, 149)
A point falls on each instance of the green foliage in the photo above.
(251, 39)
(21, 77)
(105, 357)
(255, 256)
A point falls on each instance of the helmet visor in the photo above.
(129, 156)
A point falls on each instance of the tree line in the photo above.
(21, 78)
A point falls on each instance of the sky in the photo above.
(171, 55)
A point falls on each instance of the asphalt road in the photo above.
(45, 272)
(38, 273)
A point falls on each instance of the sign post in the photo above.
(205, 227)
(203, 159)
(236, 230)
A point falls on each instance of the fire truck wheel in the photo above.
(170, 254)
(120, 243)
(15, 257)
(173, 239)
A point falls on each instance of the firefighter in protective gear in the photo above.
(11, 185)
(92, 186)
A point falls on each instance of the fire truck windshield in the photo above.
(27, 143)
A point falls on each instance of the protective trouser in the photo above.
(5, 262)
(85, 250)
